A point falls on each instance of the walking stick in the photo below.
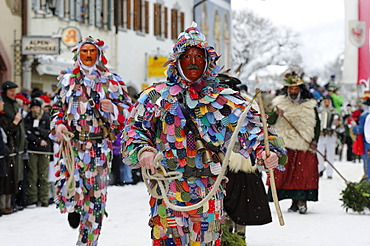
(316, 150)
(267, 150)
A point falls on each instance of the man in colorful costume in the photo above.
(160, 123)
(296, 120)
(92, 102)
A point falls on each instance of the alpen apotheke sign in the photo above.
(37, 45)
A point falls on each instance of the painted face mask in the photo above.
(192, 63)
(88, 54)
(84, 56)
(178, 72)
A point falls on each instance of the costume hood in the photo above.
(191, 37)
(101, 60)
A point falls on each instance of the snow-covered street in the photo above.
(325, 224)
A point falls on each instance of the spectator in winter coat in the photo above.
(15, 130)
(37, 123)
(8, 184)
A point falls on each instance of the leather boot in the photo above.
(293, 207)
(74, 219)
(302, 206)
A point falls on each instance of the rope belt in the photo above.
(83, 136)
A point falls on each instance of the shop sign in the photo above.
(40, 45)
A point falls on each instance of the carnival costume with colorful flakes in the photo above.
(92, 158)
(157, 121)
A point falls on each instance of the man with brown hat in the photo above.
(296, 121)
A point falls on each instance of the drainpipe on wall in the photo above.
(26, 73)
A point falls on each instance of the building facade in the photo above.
(139, 35)
(11, 32)
(66, 21)
(146, 31)
(214, 20)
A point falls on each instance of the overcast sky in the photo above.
(320, 22)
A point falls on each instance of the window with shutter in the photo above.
(121, 13)
(174, 24)
(158, 19)
(137, 8)
(146, 17)
(165, 27)
(182, 21)
(128, 11)
(155, 21)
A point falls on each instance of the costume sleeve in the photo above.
(251, 137)
(139, 130)
(121, 101)
(57, 115)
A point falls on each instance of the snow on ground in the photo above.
(325, 224)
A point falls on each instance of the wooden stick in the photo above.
(267, 150)
(316, 150)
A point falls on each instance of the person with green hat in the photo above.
(296, 120)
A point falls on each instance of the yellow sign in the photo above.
(155, 66)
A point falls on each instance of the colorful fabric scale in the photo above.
(92, 158)
(157, 120)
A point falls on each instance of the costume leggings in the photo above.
(90, 197)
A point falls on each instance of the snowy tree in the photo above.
(333, 67)
(257, 44)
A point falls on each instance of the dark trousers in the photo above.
(38, 185)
